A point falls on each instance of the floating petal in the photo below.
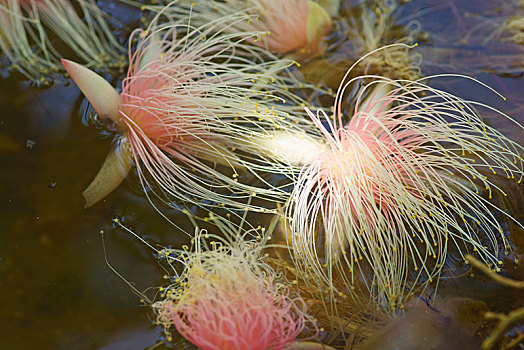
(104, 98)
(114, 170)
(293, 149)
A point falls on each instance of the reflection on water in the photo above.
(56, 290)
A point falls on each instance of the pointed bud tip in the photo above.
(104, 98)
(70, 65)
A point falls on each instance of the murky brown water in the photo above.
(57, 292)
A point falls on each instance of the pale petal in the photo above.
(153, 52)
(104, 98)
(371, 104)
(295, 149)
(114, 170)
(318, 23)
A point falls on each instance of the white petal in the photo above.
(295, 149)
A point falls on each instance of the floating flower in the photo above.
(228, 298)
(405, 181)
(282, 25)
(24, 41)
(191, 98)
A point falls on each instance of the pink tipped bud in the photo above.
(104, 98)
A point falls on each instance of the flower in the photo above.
(227, 298)
(405, 181)
(191, 98)
(282, 25)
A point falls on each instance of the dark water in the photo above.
(56, 290)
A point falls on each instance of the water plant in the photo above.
(295, 26)
(193, 97)
(514, 26)
(492, 34)
(29, 48)
(404, 182)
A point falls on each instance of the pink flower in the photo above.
(190, 99)
(290, 25)
(236, 316)
(226, 299)
(400, 184)
(281, 25)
